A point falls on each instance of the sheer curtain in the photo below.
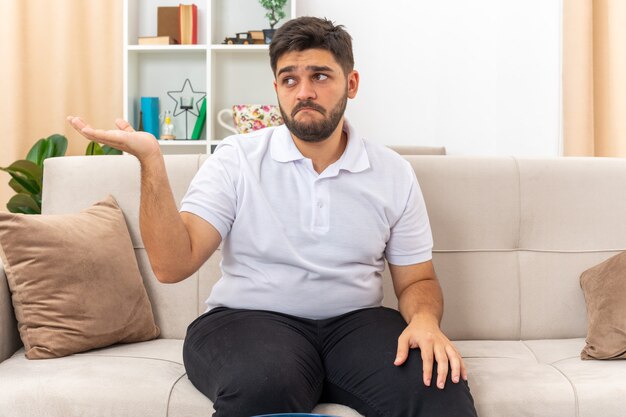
(59, 58)
(594, 77)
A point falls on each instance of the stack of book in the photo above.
(175, 25)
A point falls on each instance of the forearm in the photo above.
(420, 301)
(164, 234)
(423, 300)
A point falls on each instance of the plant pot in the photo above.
(268, 34)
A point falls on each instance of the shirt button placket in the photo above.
(316, 204)
(322, 220)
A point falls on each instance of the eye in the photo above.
(320, 77)
(288, 81)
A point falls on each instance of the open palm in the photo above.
(125, 138)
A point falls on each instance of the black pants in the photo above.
(256, 362)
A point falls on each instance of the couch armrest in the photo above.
(9, 337)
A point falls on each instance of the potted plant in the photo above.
(27, 174)
(274, 13)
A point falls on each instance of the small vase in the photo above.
(268, 34)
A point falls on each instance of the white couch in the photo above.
(511, 239)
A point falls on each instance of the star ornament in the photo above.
(186, 97)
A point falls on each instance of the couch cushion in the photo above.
(473, 203)
(552, 303)
(506, 379)
(74, 280)
(604, 287)
(139, 379)
(599, 386)
(481, 294)
(124, 380)
(572, 204)
(542, 378)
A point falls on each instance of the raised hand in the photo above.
(143, 145)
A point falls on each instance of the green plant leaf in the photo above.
(26, 168)
(30, 186)
(94, 149)
(16, 186)
(37, 152)
(57, 146)
(110, 151)
(27, 174)
(23, 203)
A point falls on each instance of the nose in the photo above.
(306, 91)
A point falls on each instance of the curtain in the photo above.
(594, 78)
(59, 58)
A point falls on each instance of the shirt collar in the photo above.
(353, 159)
(282, 147)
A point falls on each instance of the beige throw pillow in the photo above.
(74, 280)
(604, 287)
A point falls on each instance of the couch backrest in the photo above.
(511, 236)
(418, 150)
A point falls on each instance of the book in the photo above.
(188, 23)
(156, 40)
(167, 22)
(199, 126)
(150, 115)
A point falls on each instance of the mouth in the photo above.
(307, 110)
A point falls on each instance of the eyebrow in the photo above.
(312, 68)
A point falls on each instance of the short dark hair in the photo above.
(313, 33)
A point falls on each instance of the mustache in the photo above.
(307, 104)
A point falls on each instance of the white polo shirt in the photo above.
(305, 244)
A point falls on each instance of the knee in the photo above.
(408, 396)
(453, 400)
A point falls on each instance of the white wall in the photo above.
(479, 77)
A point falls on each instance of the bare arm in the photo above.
(420, 302)
(177, 243)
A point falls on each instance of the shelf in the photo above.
(236, 48)
(166, 48)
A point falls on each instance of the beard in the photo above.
(315, 131)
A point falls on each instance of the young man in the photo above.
(307, 214)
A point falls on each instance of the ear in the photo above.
(275, 86)
(353, 83)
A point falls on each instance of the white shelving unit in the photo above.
(229, 74)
